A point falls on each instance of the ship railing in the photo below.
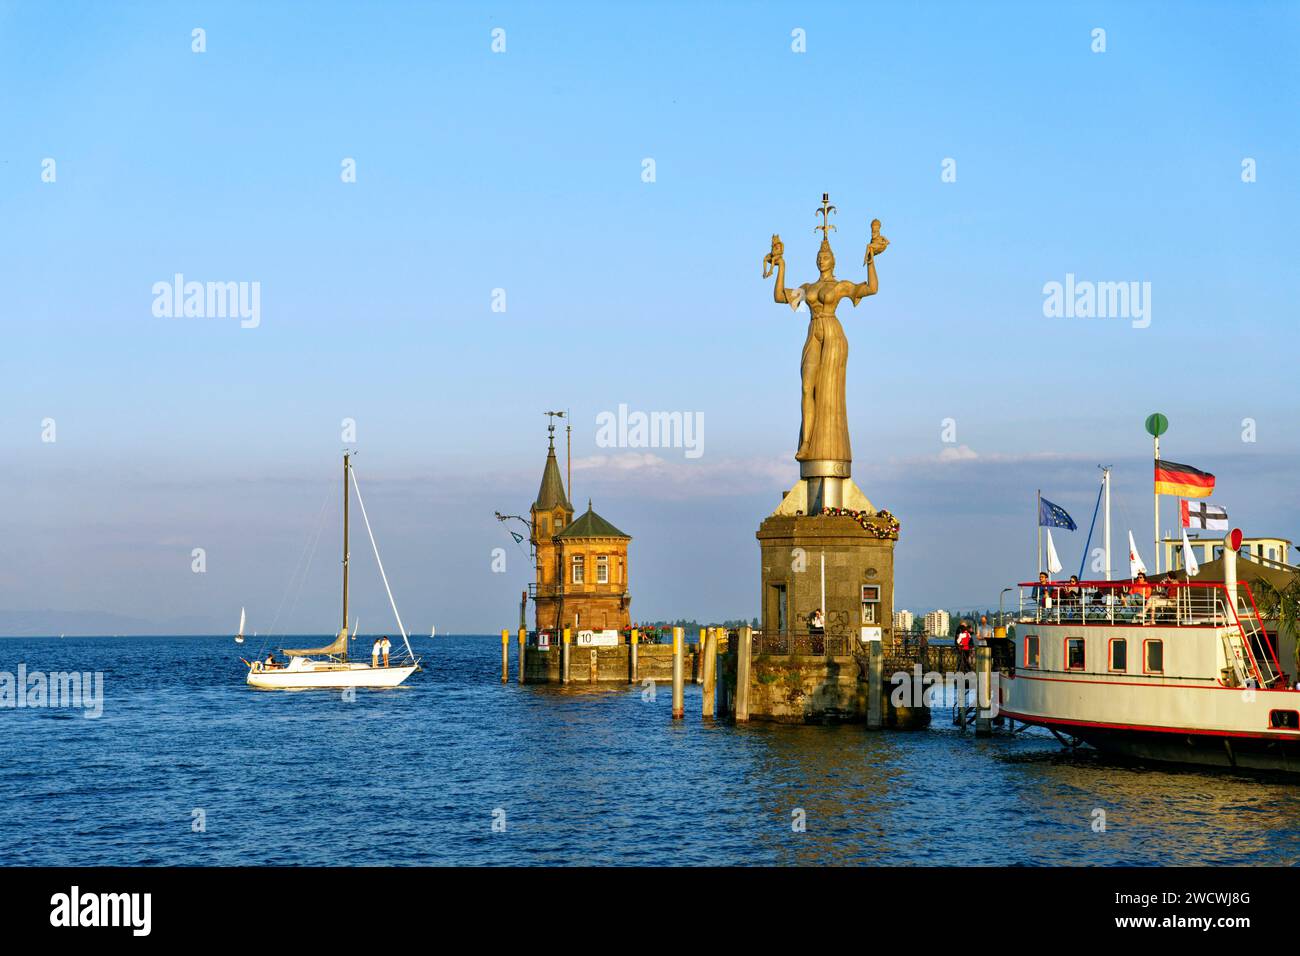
(1177, 603)
(1168, 603)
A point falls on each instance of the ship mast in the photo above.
(345, 552)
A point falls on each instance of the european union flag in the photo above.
(1054, 516)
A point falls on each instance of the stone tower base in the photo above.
(799, 673)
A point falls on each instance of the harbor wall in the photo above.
(610, 664)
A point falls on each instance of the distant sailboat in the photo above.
(239, 638)
(328, 666)
(433, 630)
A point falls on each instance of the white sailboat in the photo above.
(328, 666)
(239, 635)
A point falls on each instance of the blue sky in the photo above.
(522, 171)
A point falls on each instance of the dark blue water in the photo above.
(414, 775)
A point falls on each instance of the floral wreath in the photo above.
(881, 523)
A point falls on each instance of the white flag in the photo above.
(1053, 561)
(1134, 559)
(1189, 557)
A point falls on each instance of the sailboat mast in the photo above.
(345, 547)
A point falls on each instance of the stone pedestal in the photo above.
(802, 674)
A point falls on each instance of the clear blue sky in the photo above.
(522, 171)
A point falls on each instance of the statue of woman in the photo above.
(824, 431)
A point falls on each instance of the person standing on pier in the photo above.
(985, 631)
(963, 646)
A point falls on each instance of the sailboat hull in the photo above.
(329, 676)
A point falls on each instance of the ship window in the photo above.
(1155, 651)
(579, 568)
(1074, 653)
(602, 569)
(1118, 654)
(1031, 650)
(1284, 719)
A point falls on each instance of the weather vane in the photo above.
(553, 416)
(825, 212)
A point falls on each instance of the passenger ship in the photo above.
(1186, 673)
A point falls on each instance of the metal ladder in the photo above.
(1247, 646)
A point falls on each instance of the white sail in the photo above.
(240, 632)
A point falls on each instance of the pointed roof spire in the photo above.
(551, 493)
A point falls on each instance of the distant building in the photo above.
(936, 624)
(582, 575)
(903, 621)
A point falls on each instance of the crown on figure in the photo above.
(826, 227)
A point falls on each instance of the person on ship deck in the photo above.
(1044, 595)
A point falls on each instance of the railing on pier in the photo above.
(806, 642)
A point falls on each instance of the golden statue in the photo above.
(824, 431)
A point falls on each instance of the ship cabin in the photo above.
(1163, 631)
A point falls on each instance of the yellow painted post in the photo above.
(699, 658)
(564, 659)
(631, 656)
(679, 675)
(505, 656)
(710, 668)
(523, 636)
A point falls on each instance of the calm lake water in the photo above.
(414, 775)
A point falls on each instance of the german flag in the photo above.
(1182, 480)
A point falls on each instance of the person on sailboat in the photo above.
(385, 646)
(375, 651)
(270, 663)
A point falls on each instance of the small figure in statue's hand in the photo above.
(775, 257)
(878, 243)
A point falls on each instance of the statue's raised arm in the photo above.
(857, 291)
(774, 261)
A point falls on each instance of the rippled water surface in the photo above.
(414, 775)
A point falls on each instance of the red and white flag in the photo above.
(1202, 515)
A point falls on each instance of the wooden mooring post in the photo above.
(875, 685)
(709, 669)
(983, 691)
(631, 656)
(743, 652)
(679, 674)
(523, 637)
(505, 655)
